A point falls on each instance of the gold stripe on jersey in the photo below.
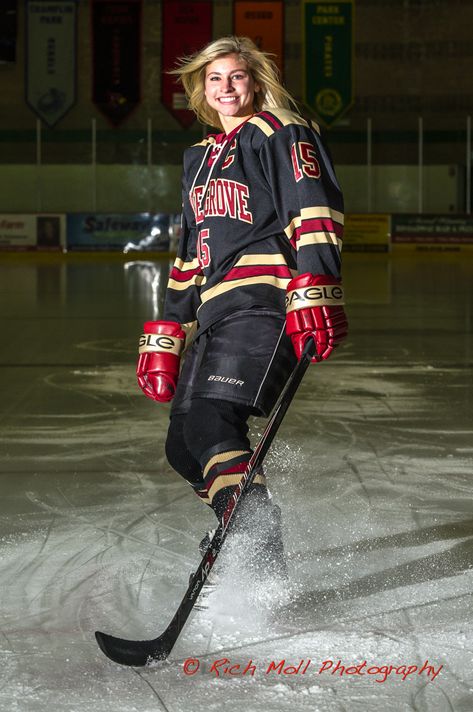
(285, 116)
(183, 266)
(223, 287)
(319, 238)
(196, 281)
(263, 125)
(262, 259)
(311, 214)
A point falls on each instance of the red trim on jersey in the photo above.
(184, 275)
(272, 119)
(319, 225)
(257, 271)
(316, 225)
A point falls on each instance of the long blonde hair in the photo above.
(191, 73)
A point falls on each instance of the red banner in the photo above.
(116, 53)
(186, 28)
(263, 22)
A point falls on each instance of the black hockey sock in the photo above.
(179, 456)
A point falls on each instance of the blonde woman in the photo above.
(257, 274)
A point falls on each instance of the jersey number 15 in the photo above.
(304, 161)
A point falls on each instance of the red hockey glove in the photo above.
(158, 363)
(314, 310)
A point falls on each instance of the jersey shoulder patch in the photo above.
(271, 120)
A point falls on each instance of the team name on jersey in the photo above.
(223, 198)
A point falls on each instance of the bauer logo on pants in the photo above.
(226, 379)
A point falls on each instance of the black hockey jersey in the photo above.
(260, 205)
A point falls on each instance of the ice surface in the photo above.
(372, 469)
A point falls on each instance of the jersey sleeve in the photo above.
(183, 290)
(307, 197)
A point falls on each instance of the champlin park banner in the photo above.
(328, 57)
(50, 58)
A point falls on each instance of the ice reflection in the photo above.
(148, 279)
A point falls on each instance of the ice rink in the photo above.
(372, 469)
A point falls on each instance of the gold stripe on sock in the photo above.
(223, 457)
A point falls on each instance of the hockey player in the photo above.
(256, 274)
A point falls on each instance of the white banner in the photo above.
(46, 231)
(51, 57)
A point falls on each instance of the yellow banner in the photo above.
(367, 232)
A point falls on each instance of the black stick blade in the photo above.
(143, 652)
(133, 652)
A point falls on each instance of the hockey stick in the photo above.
(143, 652)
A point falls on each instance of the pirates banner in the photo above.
(8, 25)
(116, 57)
(51, 58)
(263, 22)
(328, 45)
(186, 28)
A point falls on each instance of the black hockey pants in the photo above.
(209, 447)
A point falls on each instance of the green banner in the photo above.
(328, 61)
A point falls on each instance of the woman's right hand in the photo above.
(160, 350)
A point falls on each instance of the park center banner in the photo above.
(263, 22)
(186, 28)
(116, 57)
(51, 58)
(328, 57)
(8, 25)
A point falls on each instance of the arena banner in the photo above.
(50, 57)
(366, 232)
(328, 57)
(186, 28)
(119, 232)
(46, 232)
(116, 57)
(263, 22)
(448, 233)
(8, 31)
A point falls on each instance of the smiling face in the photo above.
(230, 90)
